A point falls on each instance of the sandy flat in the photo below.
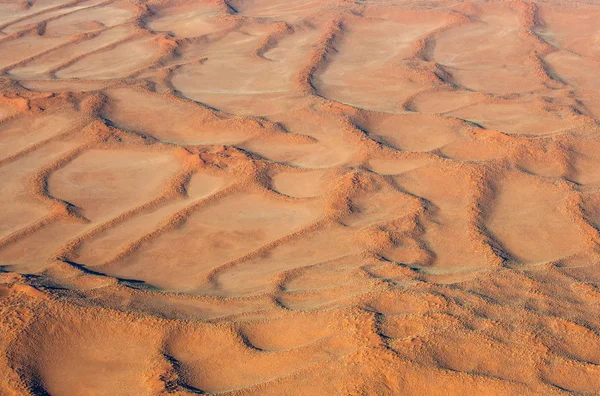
(299, 197)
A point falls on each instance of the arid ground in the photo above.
(299, 197)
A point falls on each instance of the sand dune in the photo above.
(299, 197)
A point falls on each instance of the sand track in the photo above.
(299, 197)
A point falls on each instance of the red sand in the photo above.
(299, 197)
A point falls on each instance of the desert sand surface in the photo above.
(299, 197)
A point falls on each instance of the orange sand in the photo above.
(305, 197)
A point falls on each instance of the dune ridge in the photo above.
(299, 197)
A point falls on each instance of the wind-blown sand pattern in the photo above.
(299, 197)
